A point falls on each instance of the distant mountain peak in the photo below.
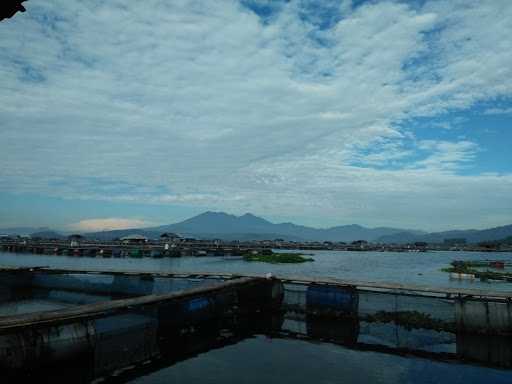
(212, 213)
(249, 217)
(224, 215)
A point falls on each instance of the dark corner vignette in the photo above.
(9, 8)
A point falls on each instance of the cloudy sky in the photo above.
(124, 113)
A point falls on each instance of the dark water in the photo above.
(399, 267)
(266, 360)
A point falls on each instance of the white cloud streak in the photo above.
(105, 224)
(498, 111)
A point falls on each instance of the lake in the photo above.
(394, 267)
(274, 361)
(264, 358)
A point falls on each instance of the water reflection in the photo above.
(18, 300)
(123, 347)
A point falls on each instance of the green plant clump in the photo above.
(468, 268)
(411, 320)
(278, 258)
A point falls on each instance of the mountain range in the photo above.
(22, 231)
(248, 226)
(470, 235)
(219, 225)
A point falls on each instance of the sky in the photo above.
(321, 112)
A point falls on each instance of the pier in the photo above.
(196, 247)
(155, 249)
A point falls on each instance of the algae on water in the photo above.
(411, 320)
(278, 258)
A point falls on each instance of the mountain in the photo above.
(48, 234)
(471, 236)
(219, 222)
(220, 225)
(118, 233)
(22, 231)
(224, 226)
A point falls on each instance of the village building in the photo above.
(134, 239)
(75, 240)
(169, 237)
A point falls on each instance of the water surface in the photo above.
(396, 267)
(267, 360)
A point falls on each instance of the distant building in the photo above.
(168, 236)
(75, 239)
(134, 239)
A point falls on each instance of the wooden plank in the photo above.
(23, 269)
(401, 287)
(367, 285)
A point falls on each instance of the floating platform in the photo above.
(164, 311)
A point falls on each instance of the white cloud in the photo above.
(105, 224)
(498, 111)
(446, 155)
(201, 103)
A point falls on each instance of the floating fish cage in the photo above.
(104, 322)
(100, 323)
(468, 312)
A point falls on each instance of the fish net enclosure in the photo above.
(121, 284)
(95, 339)
(295, 297)
(372, 303)
(385, 306)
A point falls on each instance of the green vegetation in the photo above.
(468, 267)
(496, 243)
(278, 258)
(410, 320)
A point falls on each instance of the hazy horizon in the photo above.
(320, 113)
(114, 223)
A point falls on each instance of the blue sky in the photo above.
(383, 113)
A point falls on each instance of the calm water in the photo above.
(266, 360)
(400, 267)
